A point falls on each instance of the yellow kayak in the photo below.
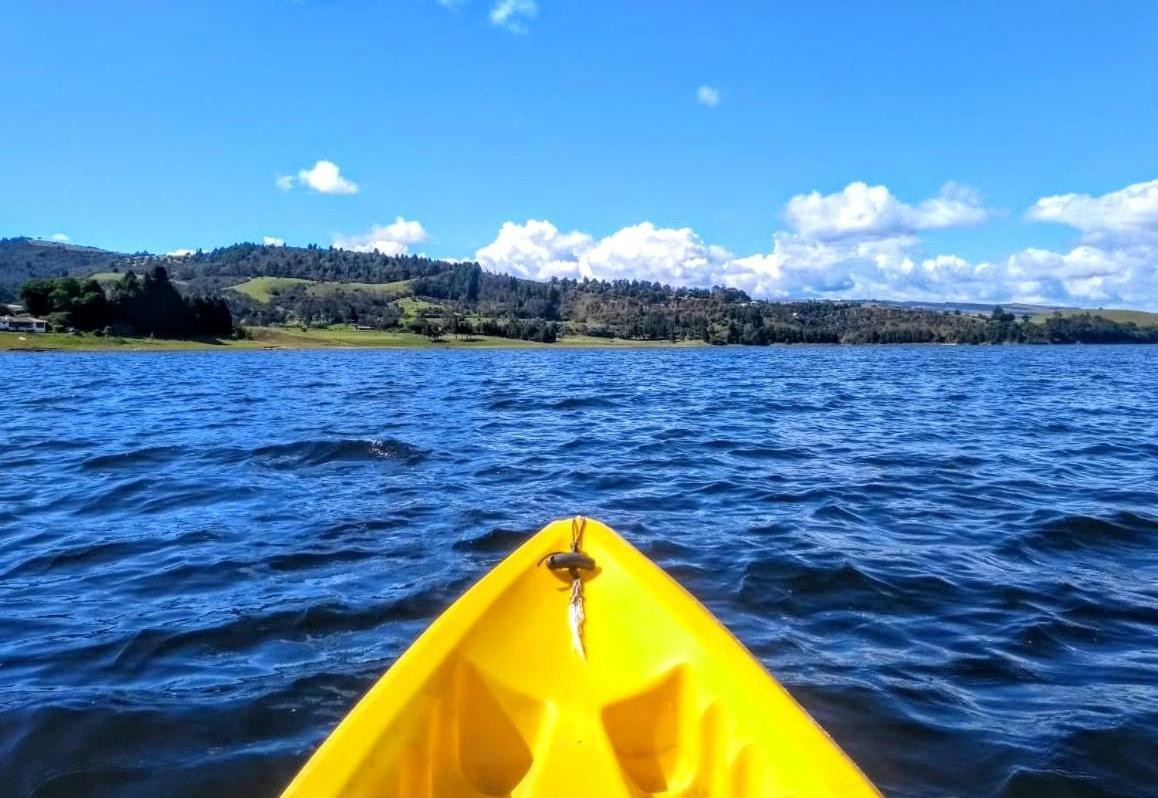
(577, 668)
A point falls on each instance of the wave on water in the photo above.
(947, 555)
(132, 459)
(582, 403)
(497, 539)
(323, 451)
(1070, 533)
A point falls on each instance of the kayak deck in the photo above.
(498, 698)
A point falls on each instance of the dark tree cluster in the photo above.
(460, 282)
(545, 332)
(150, 305)
(309, 263)
(1088, 328)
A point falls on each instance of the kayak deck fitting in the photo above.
(511, 692)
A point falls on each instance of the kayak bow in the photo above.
(577, 668)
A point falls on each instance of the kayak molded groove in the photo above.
(494, 699)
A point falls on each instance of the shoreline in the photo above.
(273, 339)
(267, 339)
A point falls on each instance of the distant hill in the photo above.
(972, 308)
(23, 259)
(322, 286)
(1141, 318)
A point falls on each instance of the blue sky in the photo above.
(159, 126)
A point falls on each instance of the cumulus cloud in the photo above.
(180, 253)
(859, 243)
(708, 95)
(536, 250)
(864, 210)
(323, 177)
(797, 266)
(273, 241)
(1127, 216)
(61, 237)
(1084, 273)
(513, 14)
(677, 256)
(389, 239)
(850, 268)
(1117, 258)
(839, 237)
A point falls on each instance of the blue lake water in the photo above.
(949, 555)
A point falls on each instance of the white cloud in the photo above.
(273, 241)
(180, 253)
(536, 250)
(1129, 215)
(708, 95)
(677, 256)
(797, 266)
(390, 239)
(326, 178)
(1117, 259)
(846, 242)
(1088, 274)
(61, 237)
(860, 209)
(860, 243)
(513, 14)
(323, 177)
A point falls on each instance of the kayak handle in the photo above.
(569, 561)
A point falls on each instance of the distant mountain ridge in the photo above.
(974, 308)
(25, 258)
(324, 286)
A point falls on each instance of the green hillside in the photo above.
(1141, 318)
(264, 289)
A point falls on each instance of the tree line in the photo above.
(142, 306)
(467, 300)
(461, 299)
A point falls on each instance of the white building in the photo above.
(23, 324)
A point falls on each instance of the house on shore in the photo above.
(23, 324)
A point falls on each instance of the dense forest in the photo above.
(313, 286)
(146, 306)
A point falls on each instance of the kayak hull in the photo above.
(507, 694)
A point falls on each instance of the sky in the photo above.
(958, 151)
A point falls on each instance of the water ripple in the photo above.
(946, 554)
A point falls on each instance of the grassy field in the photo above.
(260, 289)
(388, 290)
(1141, 318)
(293, 338)
(106, 277)
(411, 307)
(41, 342)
